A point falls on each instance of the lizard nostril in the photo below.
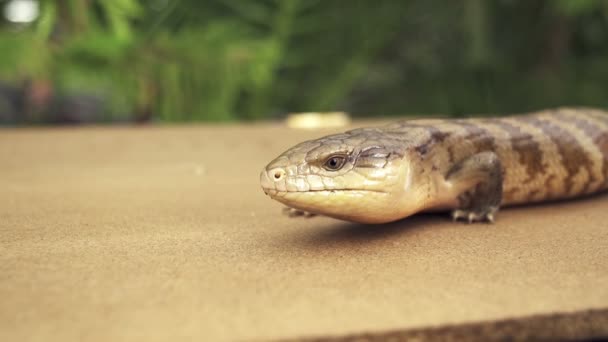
(278, 174)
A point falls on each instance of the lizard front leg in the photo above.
(478, 183)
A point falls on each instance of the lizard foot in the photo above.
(480, 178)
(470, 216)
(291, 212)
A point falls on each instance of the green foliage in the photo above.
(183, 60)
(579, 7)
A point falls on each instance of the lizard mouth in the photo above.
(368, 206)
(274, 192)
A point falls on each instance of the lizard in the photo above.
(471, 167)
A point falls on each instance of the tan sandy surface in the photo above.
(162, 233)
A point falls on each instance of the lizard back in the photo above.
(546, 155)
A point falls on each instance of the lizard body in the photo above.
(469, 166)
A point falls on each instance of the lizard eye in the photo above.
(334, 163)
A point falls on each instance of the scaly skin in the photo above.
(469, 166)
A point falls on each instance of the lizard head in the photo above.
(357, 176)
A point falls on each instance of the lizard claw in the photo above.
(471, 216)
(458, 214)
(291, 212)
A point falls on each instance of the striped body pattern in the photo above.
(469, 166)
(553, 154)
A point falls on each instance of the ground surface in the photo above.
(147, 233)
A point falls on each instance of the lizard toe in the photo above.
(292, 212)
(471, 216)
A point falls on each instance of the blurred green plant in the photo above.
(183, 60)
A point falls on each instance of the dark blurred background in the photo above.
(219, 60)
